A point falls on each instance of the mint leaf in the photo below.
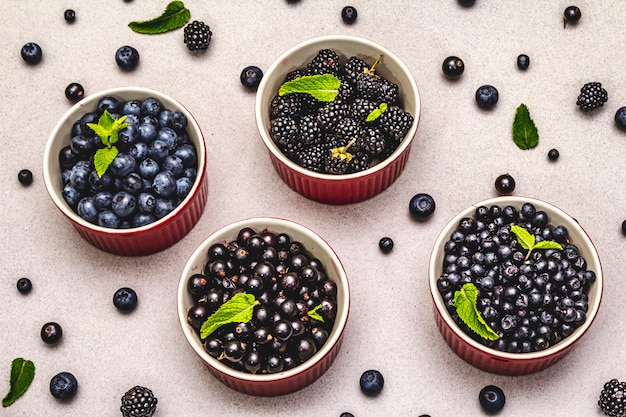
(101, 131)
(103, 158)
(525, 134)
(174, 16)
(238, 309)
(465, 304)
(527, 241)
(22, 374)
(314, 314)
(323, 87)
(377, 112)
(548, 244)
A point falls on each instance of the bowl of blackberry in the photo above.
(516, 282)
(338, 115)
(126, 166)
(264, 302)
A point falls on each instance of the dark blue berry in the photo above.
(251, 77)
(146, 202)
(31, 53)
(620, 118)
(24, 285)
(421, 206)
(123, 204)
(132, 107)
(63, 386)
(453, 67)
(346, 415)
(187, 153)
(371, 382)
(174, 119)
(523, 61)
(349, 14)
(108, 103)
(25, 177)
(151, 107)
(174, 165)
(127, 58)
(505, 184)
(51, 333)
(106, 218)
(467, 3)
(87, 209)
(125, 299)
(74, 92)
(69, 15)
(164, 184)
(385, 244)
(491, 398)
(163, 207)
(486, 96)
(148, 168)
(71, 195)
(158, 150)
(183, 187)
(553, 154)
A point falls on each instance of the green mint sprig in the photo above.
(527, 241)
(238, 309)
(107, 129)
(314, 314)
(465, 303)
(323, 87)
(377, 112)
(22, 374)
(174, 16)
(525, 133)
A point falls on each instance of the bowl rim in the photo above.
(83, 106)
(322, 40)
(592, 259)
(287, 226)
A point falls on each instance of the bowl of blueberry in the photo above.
(264, 303)
(516, 282)
(126, 166)
(338, 115)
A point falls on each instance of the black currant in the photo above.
(74, 92)
(421, 206)
(69, 15)
(24, 285)
(505, 184)
(523, 61)
(349, 14)
(385, 244)
(251, 77)
(491, 398)
(25, 177)
(453, 67)
(571, 14)
(467, 3)
(553, 154)
(51, 333)
(624, 227)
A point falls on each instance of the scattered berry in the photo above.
(453, 67)
(349, 14)
(591, 96)
(505, 184)
(125, 299)
(523, 61)
(571, 14)
(385, 244)
(421, 206)
(197, 36)
(624, 227)
(491, 398)
(25, 177)
(31, 53)
(613, 398)
(74, 92)
(127, 58)
(346, 415)
(251, 77)
(138, 402)
(371, 382)
(620, 118)
(24, 285)
(69, 15)
(51, 333)
(467, 3)
(553, 154)
(63, 386)
(486, 96)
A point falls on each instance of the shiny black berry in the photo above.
(63, 386)
(349, 14)
(69, 15)
(385, 244)
(371, 382)
(74, 92)
(127, 58)
(592, 95)
(620, 118)
(505, 184)
(486, 96)
(553, 154)
(346, 415)
(523, 61)
(453, 67)
(125, 299)
(138, 402)
(31, 53)
(251, 77)
(51, 333)
(612, 399)
(467, 3)
(24, 285)
(197, 36)
(624, 227)
(571, 14)
(25, 177)
(491, 398)
(421, 206)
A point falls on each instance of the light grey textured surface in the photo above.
(458, 152)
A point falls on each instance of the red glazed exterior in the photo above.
(349, 188)
(141, 240)
(304, 374)
(492, 360)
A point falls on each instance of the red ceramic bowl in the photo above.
(493, 360)
(348, 188)
(137, 241)
(303, 374)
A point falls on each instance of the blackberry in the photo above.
(372, 141)
(309, 130)
(292, 75)
(613, 398)
(346, 90)
(288, 105)
(329, 115)
(338, 159)
(360, 162)
(325, 62)
(395, 122)
(347, 129)
(197, 36)
(313, 158)
(361, 108)
(368, 85)
(138, 402)
(283, 130)
(389, 92)
(354, 67)
(591, 96)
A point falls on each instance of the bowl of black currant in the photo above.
(264, 303)
(516, 282)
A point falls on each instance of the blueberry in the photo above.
(24, 285)
(190, 173)
(164, 184)
(142, 219)
(25, 176)
(486, 96)
(385, 244)
(99, 183)
(122, 165)
(147, 132)
(174, 165)
(453, 67)
(183, 187)
(82, 145)
(132, 107)
(158, 150)
(371, 382)
(102, 200)
(128, 136)
(125, 299)
(51, 333)
(176, 120)
(349, 14)
(187, 153)
(163, 207)
(108, 219)
(251, 77)
(87, 209)
(123, 204)
(620, 118)
(553, 154)
(69, 15)
(148, 168)
(127, 58)
(168, 136)
(108, 103)
(523, 61)
(31, 53)
(146, 202)
(163, 116)
(67, 158)
(491, 399)
(132, 183)
(421, 206)
(149, 119)
(74, 92)
(139, 151)
(505, 184)
(151, 106)
(71, 195)
(63, 386)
